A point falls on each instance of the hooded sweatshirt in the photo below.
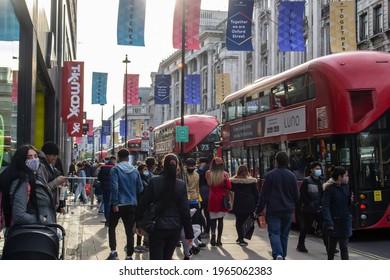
(126, 183)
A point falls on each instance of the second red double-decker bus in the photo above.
(335, 110)
(203, 133)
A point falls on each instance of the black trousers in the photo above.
(308, 220)
(240, 219)
(343, 243)
(206, 218)
(162, 244)
(127, 214)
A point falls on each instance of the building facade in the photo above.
(37, 38)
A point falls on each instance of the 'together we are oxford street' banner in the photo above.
(239, 25)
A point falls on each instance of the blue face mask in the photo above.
(317, 172)
(146, 173)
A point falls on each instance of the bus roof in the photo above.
(324, 62)
(188, 120)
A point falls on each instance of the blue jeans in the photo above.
(278, 231)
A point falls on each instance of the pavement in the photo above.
(87, 239)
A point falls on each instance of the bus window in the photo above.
(231, 111)
(279, 96)
(298, 155)
(240, 108)
(296, 91)
(251, 106)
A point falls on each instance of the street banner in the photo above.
(239, 26)
(90, 139)
(138, 128)
(78, 140)
(9, 24)
(192, 15)
(131, 22)
(192, 83)
(162, 86)
(290, 27)
(132, 89)
(99, 88)
(15, 85)
(122, 128)
(73, 92)
(90, 127)
(342, 26)
(103, 139)
(222, 86)
(75, 129)
(106, 127)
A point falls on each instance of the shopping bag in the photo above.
(87, 189)
(261, 222)
(248, 228)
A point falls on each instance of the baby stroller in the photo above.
(34, 242)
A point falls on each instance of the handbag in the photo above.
(248, 228)
(149, 219)
(226, 201)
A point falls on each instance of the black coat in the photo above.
(245, 194)
(175, 215)
(104, 176)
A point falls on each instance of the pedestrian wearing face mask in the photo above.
(26, 197)
(335, 209)
(311, 193)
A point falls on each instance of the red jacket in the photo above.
(216, 193)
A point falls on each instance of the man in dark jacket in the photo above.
(104, 178)
(311, 196)
(278, 195)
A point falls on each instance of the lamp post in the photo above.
(126, 61)
(183, 50)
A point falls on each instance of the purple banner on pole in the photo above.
(290, 28)
(192, 89)
(104, 139)
(122, 128)
(162, 86)
(106, 127)
(239, 25)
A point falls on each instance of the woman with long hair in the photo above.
(219, 183)
(26, 198)
(244, 187)
(170, 196)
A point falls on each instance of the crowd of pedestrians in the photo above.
(190, 199)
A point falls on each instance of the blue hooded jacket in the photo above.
(126, 183)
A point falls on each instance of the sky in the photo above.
(96, 46)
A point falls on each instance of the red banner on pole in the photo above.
(75, 129)
(73, 92)
(191, 25)
(132, 89)
(90, 127)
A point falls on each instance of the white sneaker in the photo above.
(279, 258)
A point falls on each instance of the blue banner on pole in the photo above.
(106, 127)
(162, 86)
(122, 128)
(290, 28)
(9, 25)
(99, 88)
(192, 89)
(131, 22)
(90, 139)
(239, 25)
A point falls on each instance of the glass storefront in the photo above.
(9, 66)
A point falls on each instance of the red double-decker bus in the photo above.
(203, 133)
(333, 109)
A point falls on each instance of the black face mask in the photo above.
(190, 170)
